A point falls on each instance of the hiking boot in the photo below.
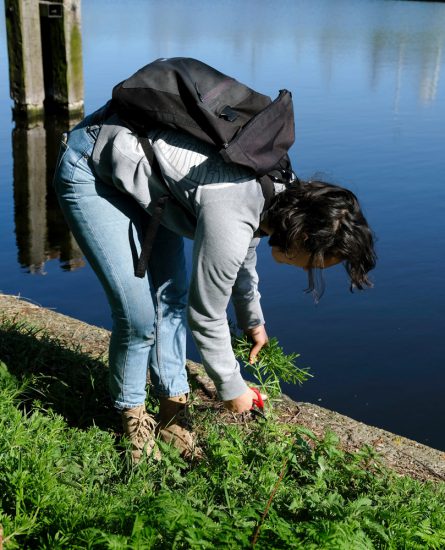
(175, 426)
(139, 427)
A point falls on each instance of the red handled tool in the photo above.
(258, 404)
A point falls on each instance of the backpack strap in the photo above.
(149, 237)
(268, 189)
(151, 228)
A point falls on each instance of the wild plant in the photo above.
(271, 367)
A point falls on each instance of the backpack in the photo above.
(249, 128)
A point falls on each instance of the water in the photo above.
(368, 86)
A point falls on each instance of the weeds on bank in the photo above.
(68, 486)
(272, 366)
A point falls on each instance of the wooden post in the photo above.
(25, 56)
(45, 56)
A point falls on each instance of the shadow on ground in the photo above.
(68, 381)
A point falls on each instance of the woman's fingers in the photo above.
(254, 352)
(259, 337)
(244, 402)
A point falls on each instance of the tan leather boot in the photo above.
(175, 426)
(139, 426)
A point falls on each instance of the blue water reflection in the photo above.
(368, 85)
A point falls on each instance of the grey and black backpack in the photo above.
(248, 128)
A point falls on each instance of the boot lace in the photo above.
(140, 429)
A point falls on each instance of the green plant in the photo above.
(272, 365)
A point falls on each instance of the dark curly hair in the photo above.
(325, 221)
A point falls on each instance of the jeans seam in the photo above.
(82, 155)
(159, 318)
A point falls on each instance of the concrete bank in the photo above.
(403, 455)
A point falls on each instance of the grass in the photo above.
(66, 480)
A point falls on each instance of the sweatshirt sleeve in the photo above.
(245, 295)
(222, 241)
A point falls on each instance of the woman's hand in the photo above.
(259, 338)
(244, 402)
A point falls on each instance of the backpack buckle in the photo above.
(228, 114)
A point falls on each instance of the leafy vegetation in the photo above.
(272, 366)
(70, 484)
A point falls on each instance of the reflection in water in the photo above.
(406, 50)
(392, 36)
(41, 231)
(430, 75)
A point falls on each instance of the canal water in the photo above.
(368, 81)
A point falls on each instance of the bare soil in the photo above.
(404, 456)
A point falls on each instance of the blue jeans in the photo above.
(149, 326)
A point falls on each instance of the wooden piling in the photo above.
(45, 56)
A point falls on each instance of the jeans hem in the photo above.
(160, 393)
(122, 406)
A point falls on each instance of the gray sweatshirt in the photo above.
(219, 206)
